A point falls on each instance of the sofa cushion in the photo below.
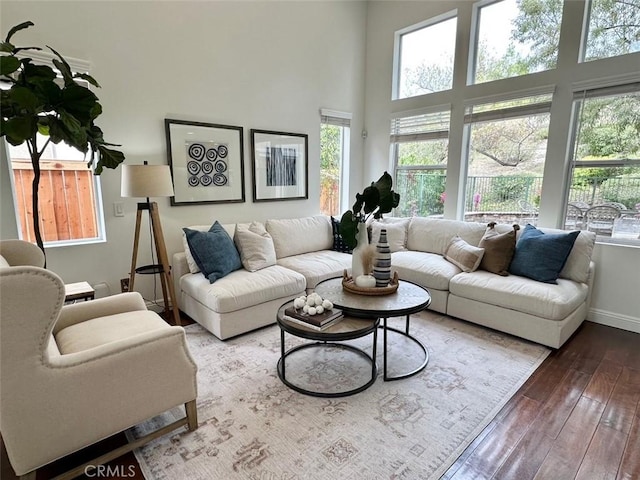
(214, 252)
(427, 269)
(498, 249)
(193, 266)
(432, 235)
(242, 289)
(255, 246)
(462, 255)
(338, 242)
(577, 266)
(396, 233)
(293, 236)
(545, 300)
(541, 256)
(102, 330)
(318, 266)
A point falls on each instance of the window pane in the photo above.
(426, 59)
(67, 196)
(421, 189)
(608, 151)
(331, 151)
(614, 28)
(506, 164)
(516, 38)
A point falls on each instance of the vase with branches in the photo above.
(37, 104)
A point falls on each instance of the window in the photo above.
(606, 163)
(612, 27)
(505, 159)
(420, 153)
(334, 161)
(70, 203)
(426, 56)
(514, 38)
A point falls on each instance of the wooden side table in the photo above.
(79, 291)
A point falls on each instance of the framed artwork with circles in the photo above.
(206, 161)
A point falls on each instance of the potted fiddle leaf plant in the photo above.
(377, 199)
(37, 104)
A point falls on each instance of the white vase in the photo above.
(362, 237)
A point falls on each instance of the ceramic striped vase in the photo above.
(382, 268)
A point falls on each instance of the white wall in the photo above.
(266, 65)
(616, 296)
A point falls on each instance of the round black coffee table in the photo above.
(408, 299)
(349, 328)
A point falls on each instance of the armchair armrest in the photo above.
(79, 312)
(179, 267)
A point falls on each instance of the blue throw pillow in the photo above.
(541, 256)
(214, 251)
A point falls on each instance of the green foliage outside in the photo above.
(330, 155)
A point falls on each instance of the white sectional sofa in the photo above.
(541, 312)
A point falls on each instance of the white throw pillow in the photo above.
(396, 234)
(464, 256)
(255, 246)
(3, 262)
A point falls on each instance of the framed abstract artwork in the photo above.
(280, 165)
(207, 162)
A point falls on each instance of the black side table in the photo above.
(408, 299)
(349, 328)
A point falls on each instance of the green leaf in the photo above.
(349, 229)
(79, 101)
(108, 158)
(36, 74)
(88, 78)
(6, 47)
(19, 129)
(8, 65)
(17, 28)
(63, 66)
(23, 99)
(70, 122)
(371, 198)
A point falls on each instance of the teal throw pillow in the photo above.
(541, 256)
(214, 251)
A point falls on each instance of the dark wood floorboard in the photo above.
(577, 417)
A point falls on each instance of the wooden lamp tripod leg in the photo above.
(134, 256)
(164, 261)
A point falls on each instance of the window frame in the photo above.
(342, 120)
(397, 50)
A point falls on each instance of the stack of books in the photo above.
(317, 322)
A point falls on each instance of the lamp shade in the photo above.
(146, 181)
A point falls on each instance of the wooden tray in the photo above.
(350, 286)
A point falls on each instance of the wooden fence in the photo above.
(66, 198)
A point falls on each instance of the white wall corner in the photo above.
(613, 319)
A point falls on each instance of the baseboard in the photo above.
(616, 320)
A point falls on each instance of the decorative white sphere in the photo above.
(327, 304)
(311, 301)
(312, 311)
(299, 303)
(319, 309)
(305, 309)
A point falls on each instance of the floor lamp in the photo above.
(151, 181)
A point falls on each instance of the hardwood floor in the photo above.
(577, 417)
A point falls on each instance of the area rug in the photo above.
(254, 427)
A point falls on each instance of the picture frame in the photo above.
(206, 162)
(280, 163)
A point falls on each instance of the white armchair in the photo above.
(73, 375)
